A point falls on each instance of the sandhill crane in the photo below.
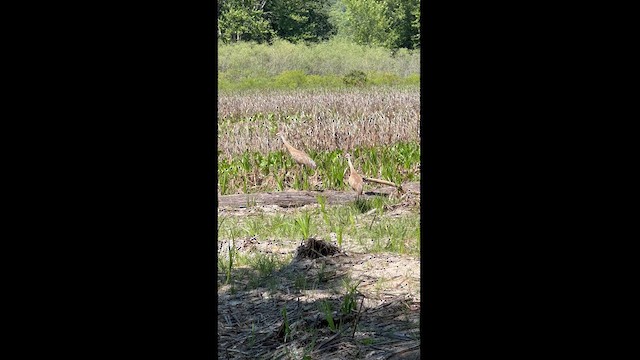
(299, 156)
(355, 180)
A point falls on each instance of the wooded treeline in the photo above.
(390, 23)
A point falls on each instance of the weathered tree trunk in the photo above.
(300, 198)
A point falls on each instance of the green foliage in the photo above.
(242, 20)
(303, 224)
(415, 25)
(393, 24)
(366, 22)
(287, 330)
(290, 79)
(362, 205)
(379, 78)
(349, 300)
(322, 201)
(263, 21)
(412, 80)
(367, 341)
(246, 65)
(404, 20)
(339, 232)
(328, 313)
(253, 226)
(265, 265)
(378, 203)
(396, 163)
(300, 281)
(396, 236)
(231, 252)
(399, 234)
(299, 20)
(287, 80)
(355, 78)
(322, 275)
(252, 338)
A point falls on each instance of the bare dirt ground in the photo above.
(285, 316)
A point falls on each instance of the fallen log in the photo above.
(293, 198)
(384, 182)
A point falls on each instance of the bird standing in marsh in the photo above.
(298, 156)
(355, 180)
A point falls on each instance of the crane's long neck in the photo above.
(351, 165)
(286, 143)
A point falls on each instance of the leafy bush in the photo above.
(336, 57)
(384, 79)
(413, 79)
(290, 79)
(355, 78)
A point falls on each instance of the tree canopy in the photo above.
(391, 23)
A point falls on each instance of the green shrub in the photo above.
(413, 79)
(334, 57)
(326, 81)
(355, 78)
(378, 78)
(290, 79)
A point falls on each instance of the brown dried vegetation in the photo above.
(317, 120)
(383, 323)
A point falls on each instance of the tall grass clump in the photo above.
(303, 224)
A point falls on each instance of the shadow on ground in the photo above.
(324, 308)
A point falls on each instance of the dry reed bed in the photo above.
(317, 120)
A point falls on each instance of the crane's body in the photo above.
(355, 180)
(299, 156)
